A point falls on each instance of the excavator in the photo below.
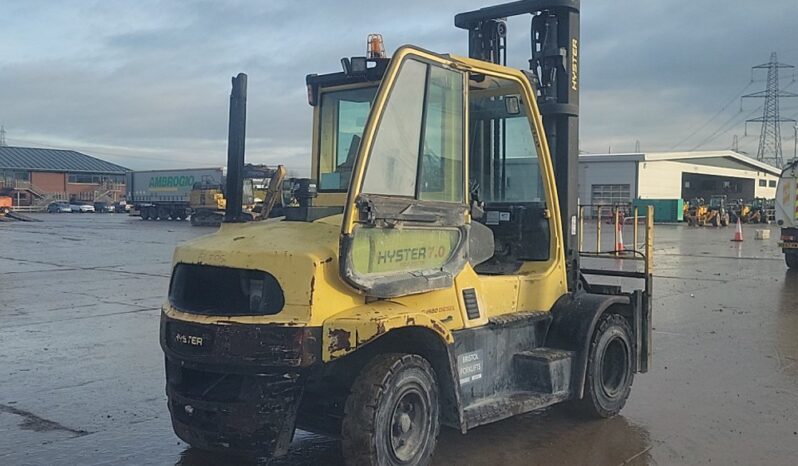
(429, 275)
(262, 188)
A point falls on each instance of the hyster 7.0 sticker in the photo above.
(469, 366)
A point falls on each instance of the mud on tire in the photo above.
(392, 413)
(609, 368)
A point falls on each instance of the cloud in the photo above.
(146, 84)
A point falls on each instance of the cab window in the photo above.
(504, 156)
(418, 147)
(343, 117)
(505, 174)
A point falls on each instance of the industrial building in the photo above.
(618, 179)
(34, 176)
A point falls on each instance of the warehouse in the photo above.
(609, 179)
(33, 176)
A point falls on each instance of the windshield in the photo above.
(343, 117)
(715, 202)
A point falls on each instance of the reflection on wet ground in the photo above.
(82, 373)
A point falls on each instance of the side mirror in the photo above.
(512, 105)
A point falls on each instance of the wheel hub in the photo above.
(408, 426)
(613, 368)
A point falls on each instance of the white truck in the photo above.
(787, 213)
(165, 194)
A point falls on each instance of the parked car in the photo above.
(122, 207)
(58, 207)
(81, 207)
(104, 207)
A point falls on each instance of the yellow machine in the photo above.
(715, 213)
(739, 210)
(207, 202)
(429, 274)
(758, 211)
(696, 212)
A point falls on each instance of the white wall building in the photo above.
(620, 178)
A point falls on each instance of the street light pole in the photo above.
(795, 142)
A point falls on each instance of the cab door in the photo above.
(406, 225)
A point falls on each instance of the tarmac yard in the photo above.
(82, 382)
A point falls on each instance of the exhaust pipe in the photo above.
(236, 134)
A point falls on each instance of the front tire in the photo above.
(391, 416)
(609, 368)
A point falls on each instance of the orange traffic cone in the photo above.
(619, 243)
(738, 234)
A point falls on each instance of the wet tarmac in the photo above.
(81, 372)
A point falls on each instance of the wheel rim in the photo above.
(409, 426)
(614, 368)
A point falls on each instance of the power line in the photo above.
(725, 127)
(711, 119)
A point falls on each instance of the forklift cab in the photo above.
(450, 172)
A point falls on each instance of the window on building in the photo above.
(772, 183)
(611, 194)
(85, 178)
(763, 183)
(10, 176)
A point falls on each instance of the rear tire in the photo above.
(609, 368)
(391, 416)
(792, 259)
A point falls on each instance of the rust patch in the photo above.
(380, 327)
(328, 260)
(410, 320)
(312, 289)
(438, 327)
(339, 340)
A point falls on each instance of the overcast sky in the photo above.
(146, 83)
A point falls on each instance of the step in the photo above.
(546, 370)
(504, 405)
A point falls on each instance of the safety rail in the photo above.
(617, 216)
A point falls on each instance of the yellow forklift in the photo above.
(429, 275)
